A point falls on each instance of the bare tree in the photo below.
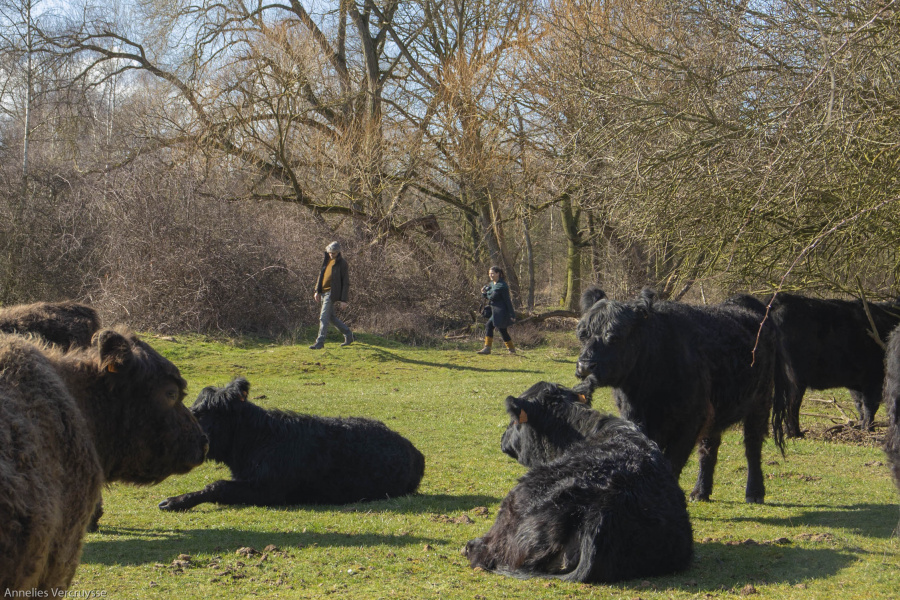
(741, 145)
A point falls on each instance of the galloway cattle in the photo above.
(64, 324)
(892, 402)
(281, 458)
(69, 423)
(599, 504)
(831, 343)
(684, 374)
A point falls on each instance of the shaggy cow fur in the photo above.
(600, 503)
(65, 324)
(684, 374)
(70, 422)
(828, 344)
(281, 458)
(892, 402)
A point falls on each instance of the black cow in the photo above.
(684, 374)
(599, 504)
(828, 344)
(892, 402)
(65, 324)
(280, 458)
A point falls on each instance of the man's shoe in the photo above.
(485, 350)
(317, 346)
(348, 339)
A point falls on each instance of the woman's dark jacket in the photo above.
(340, 279)
(502, 310)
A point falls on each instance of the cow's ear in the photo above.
(646, 301)
(591, 296)
(243, 388)
(584, 391)
(512, 406)
(114, 349)
(516, 407)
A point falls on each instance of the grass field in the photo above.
(827, 530)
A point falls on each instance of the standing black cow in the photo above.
(599, 504)
(684, 374)
(280, 458)
(892, 402)
(829, 343)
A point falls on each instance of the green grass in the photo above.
(827, 530)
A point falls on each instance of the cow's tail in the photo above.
(781, 392)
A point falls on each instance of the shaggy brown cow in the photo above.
(66, 324)
(70, 422)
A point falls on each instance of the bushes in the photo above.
(167, 253)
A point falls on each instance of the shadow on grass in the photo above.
(130, 546)
(413, 504)
(870, 520)
(721, 567)
(386, 355)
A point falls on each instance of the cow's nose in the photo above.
(583, 368)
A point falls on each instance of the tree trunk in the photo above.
(574, 244)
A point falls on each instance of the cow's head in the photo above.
(609, 333)
(219, 410)
(149, 431)
(544, 422)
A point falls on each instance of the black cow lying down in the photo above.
(684, 374)
(600, 503)
(280, 458)
(892, 402)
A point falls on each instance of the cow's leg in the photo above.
(867, 402)
(708, 455)
(755, 431)
(224, 491)
(794, 395)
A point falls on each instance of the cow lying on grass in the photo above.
(281, 458)
(64, 324)
(600, 503)
(69, 423)
(830, 344)
(892, 402)
(684, 374)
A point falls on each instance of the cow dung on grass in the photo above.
(69, 423)
(280, 458)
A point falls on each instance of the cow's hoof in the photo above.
(755, 499)
(172, 504)
(699, 497)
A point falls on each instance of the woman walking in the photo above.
(502, 312)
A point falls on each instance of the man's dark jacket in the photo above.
(340, 279)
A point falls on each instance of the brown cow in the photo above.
(70, 422)
(66, 324)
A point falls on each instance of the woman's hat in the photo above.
(333, 247)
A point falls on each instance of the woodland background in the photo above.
(181, 164)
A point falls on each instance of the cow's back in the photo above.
(329, 459)
(827, 343)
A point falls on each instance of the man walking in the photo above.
(332, 288)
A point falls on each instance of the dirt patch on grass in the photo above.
(846, 433)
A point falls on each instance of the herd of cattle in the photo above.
(81, 407)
